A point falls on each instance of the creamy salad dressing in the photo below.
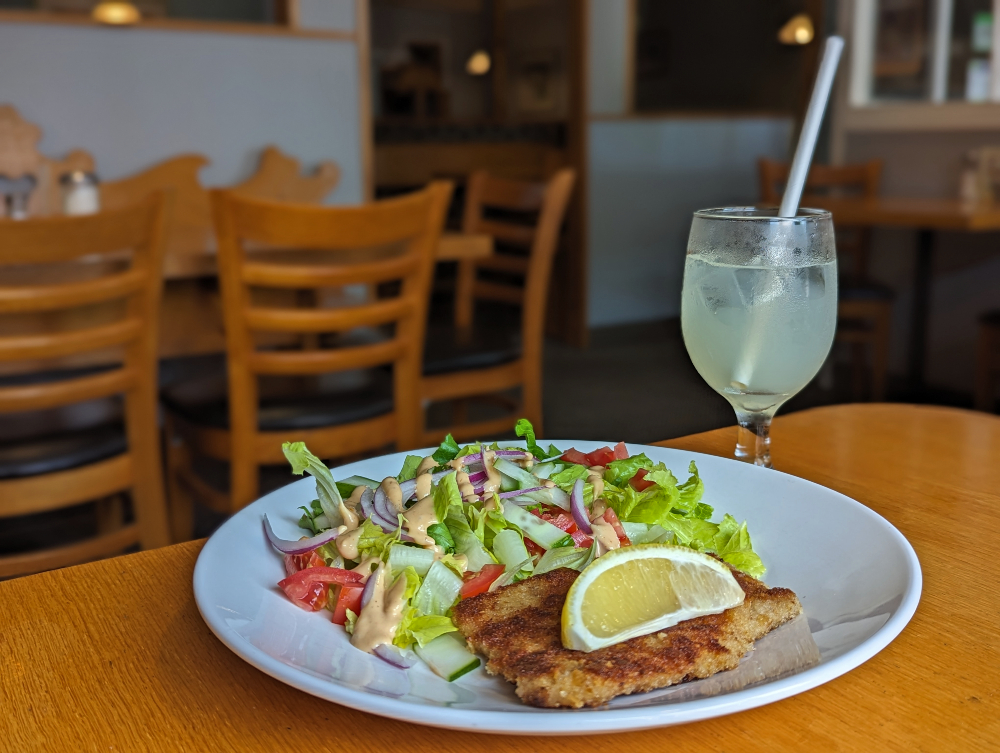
(427, 464)
(492, 482)
(390, 486)
(595, 476)
(347, 543)
(380, 618)
(366, 567)
(418, 519)
(465, 487)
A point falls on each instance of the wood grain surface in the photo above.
(114, 655)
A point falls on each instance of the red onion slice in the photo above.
(477, 457)
(578, 509)
(478, 477)
(386, 525)
(394, 656)
(366, 595)
(366, 503)
(287, 546)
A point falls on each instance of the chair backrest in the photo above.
(56, 264)
(541, 240)
(380, 244)
(861, 179)
(279, 177)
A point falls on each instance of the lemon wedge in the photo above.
(640, 589)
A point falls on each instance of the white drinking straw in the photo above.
(810, 127)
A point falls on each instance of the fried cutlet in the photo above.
(518, 629)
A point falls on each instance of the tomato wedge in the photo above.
(611, 518)
(296, 562)
(348, 597)
(601, 457)
(620, 451)
(306, 587)
(581, 540)
(574, 456)
(480, 582)
(639, 482)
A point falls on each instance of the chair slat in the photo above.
(495, 291)
(54, 394)
(331, 442)
(516, 195)
(67, 343)
(50, 491)
(104, 545)
(265, 274)
(505, 263)
(320, 361)
(506, 232)
(50, 297)
(328, 320)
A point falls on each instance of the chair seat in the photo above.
(445, 350)
(61, 452)
(302, 403)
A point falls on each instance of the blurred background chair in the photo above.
(864, 310)
(52, 286)
(346, 382)
(499, 348)
(987, 361)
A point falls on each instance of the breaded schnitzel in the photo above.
(518, 629)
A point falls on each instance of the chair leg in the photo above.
(110, 513)
(984, 395)
(181, 504)
(464, 302)
(531, 395)
(148, 498)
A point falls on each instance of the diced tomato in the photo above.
(296, 562)
(611, 518)
(601, 457)
(574, 456)
(581, 540)
(639, 482)
(301, 587)
(348, 597)
(532, 547)
(561, 520)
(620, 451)
(480, 582)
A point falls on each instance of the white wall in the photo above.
(647, 175)
(646, 178)
(132, 97)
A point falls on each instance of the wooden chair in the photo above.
(864, 310)
(483, 358)
(987, 361)
(240, 416)
(42, 474)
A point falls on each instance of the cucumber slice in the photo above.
(544, 470)
(359, 481)
(448, 657)
(510, 550)
(524, 479)
(402, 556)
(439, 590)
(540, 531)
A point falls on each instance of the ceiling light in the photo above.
(478, 63)
(798, 30)
(116, 14)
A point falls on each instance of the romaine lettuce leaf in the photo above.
(442, 537)
(524, 429)
(421, 629)
(448, 450)
(303, 461)
(409, 469)
(374, 542)
(620, 472)
(446, 494)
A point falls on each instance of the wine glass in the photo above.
(759, 310)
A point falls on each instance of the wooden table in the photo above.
(114, 655)
(926, 216)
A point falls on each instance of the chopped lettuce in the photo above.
(442, 537)
(446, 494)
(303, 461)
(374, 542)
(620, 472)
(421, 629)
(523, 428)
(448, 450)
(409, 469)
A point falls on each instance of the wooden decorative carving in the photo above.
(279, 177)
(19, 139)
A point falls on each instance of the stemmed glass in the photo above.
(759, 310)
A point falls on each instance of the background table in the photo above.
(114, 655)
(926, 216)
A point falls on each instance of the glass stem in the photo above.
(753, 439)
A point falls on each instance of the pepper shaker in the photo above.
(80, 193)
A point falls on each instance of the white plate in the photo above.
(857, 577)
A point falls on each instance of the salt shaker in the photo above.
(80, 193)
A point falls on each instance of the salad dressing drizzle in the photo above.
(390, 486)
(595, 476)
(465, 487)
(492, 474)
(418, 519)
(381, 616)
(427, 464)
(424, 485)
(603, 532)
(347, 543)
